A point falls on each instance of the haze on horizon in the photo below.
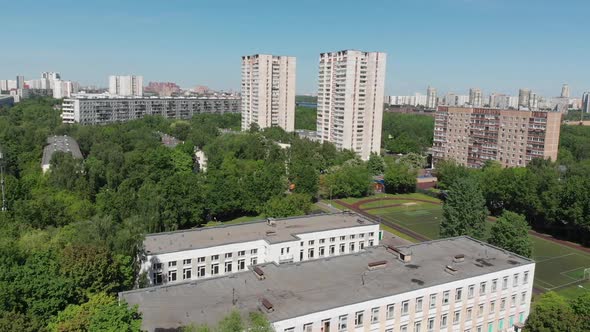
(497, 45)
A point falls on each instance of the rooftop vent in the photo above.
(271, 233)
(271, 222)
(377, 264)
(267, 305)
(259, 273)
(360, 221)
(451, 269)
(418, 282)
(459, 258)
(404, 256)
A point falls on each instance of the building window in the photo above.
(445, 300)
(157, 278)
(253, 261)
(228, 266)
(371, 243)
(342, 238)
(443, 321)
(186, 273)
(332, 239)
(458, 294)
(322, 241)
(492, 306)
(470, 291)
(321, 251)
(468, 313)
(361, 245)
(342, 246)
(505, 283)
(310, 242)
(526, 277)
(201, 260)
(419, 304)
(352, 236)
(310, 253)
(522, 298)
(375, 315)
(342, 323)
(457, 317)
(242, 253)
(390, 311)
(157, 266)
(332, 250)
(431, 324)
(290, 329)
(186, 261)
(480, 311)
(241, 264)
(351, 246)
(479, 328)
(405, 308)
(215, 257)
(361, 235)
(371, 233)
(515, 283)
(432, 301)
(214, 269)
(358, 318)
(172, 276)
(253, 251)
(404, 328)
(494, 285)
(172, 264)
(418, 327)
(482, 288)
(308, 327)
(228, 255)
(284, 250)
(201, 271)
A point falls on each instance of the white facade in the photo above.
(431, 98)
(586, 102)
(7, 85)
(350, 100)
(130, 85)
(475, 97)
(223, 259)
(416, 100)
(467, 305)
(64, 89)
(565, 91)
(268, 91)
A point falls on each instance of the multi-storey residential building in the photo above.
(524, 96)
(104, 109)
(471, 136)
(350, 100)
(565, 91)
(213, 251)
(268, 91)
(415, 100)
(130, 85)
(475, 97)
(454, 284)
(20, 82)
(586, 102)
(431, 98)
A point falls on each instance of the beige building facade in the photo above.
(268, 91)
(350, 100)
(471, 136)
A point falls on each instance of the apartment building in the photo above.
(454, 284)
(471, 136)
(130, 85)
(215, 251)
(268, 91)
(104, 109)
(350, 100)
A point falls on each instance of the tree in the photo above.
(399, 179)
(348, 181)
(581, 308)
(376, 164)
(464, 211)
(551, 312)
(289, 205)
(510, 232)
(448, 171)
(413, 160)
(101, 313)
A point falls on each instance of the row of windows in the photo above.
(430, 325)
(188, 261)
(342, 238)
(214, 270)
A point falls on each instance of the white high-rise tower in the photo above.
(565, 91)
(131, 85)
(268, 91)
(350, 100)
(430, 98)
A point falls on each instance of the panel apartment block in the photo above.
(471, 136)
(107, 110)
(350, 100)
(214, 251)
(268, 91)
(454, 284)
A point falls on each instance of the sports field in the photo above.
(559, 267)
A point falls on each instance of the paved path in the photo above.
(328, 207)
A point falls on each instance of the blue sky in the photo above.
(498, 45)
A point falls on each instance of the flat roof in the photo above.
(60, 143)
(297, 289)
(284, 229)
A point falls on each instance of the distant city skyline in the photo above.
(451, 45)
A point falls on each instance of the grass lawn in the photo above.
(398, 233)
(352, 200)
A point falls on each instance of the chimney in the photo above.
(259, 273)
(404, 255)
(377, 264)
(267, 305)
(459, 258)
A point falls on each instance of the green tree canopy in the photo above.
(510, 232)
(464, 210)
